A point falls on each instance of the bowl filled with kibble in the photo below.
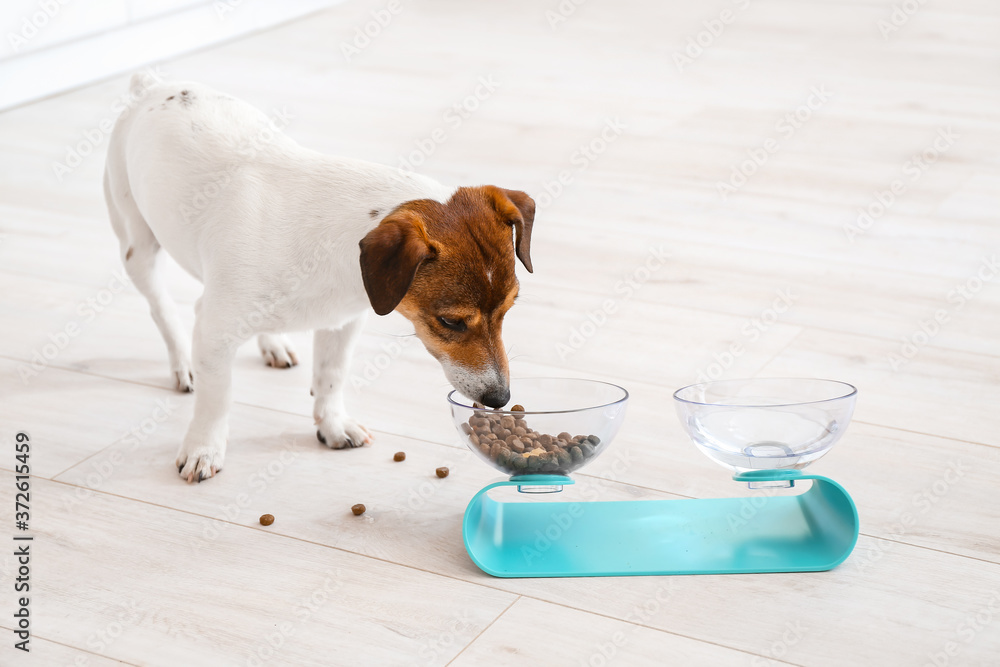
(551, 426)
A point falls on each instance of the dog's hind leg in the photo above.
(277, 350)
(140, 252)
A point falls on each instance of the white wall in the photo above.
(50, 46)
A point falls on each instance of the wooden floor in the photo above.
(746, 159)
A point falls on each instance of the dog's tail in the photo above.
(143, 81)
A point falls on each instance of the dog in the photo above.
(284, 238)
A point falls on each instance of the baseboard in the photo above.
(54, 70)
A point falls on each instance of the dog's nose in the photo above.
(496, 398)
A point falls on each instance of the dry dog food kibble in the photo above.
(266, 519)
(358, 509)
(399, 456)
(508, 441)
(442, 472)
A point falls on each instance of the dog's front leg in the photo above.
(204, 449)
(332, 350)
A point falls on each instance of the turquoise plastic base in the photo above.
(813, 531)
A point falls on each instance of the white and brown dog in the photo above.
(284, 238)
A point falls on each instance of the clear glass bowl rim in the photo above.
(846, 385)
(624, 398)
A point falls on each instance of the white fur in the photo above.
(270, 228)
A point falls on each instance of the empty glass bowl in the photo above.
(765, 424)
(565, 424)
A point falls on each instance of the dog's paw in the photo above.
(342, 433)
(277, 351)
(184, 380)
(197, 461)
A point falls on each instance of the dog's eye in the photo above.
(454, 325)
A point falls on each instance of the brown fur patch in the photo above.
(470, 277)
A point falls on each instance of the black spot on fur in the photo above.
(186, 99)
(373, 213)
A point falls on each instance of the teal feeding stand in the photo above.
(763, 430)
(810, 532)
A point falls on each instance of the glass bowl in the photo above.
(566, 423)
(766, 424)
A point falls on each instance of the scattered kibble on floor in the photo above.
(442, 472)
(399, 456)
(266, 519)
(358, 509)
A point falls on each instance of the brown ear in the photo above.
(519, 210)
(390, 256)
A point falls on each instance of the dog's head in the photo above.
(449, 269)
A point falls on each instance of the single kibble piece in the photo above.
(594, 440)
(545, 439)
(564, 436)
(358, 509)
(401, 456)
(443, 472)
(474, 439)
(576, 453)
(266, 519)
(478, 405)
(519, 431)
(587, 450)
(507, 422)
(517, 408)
(466, 428)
